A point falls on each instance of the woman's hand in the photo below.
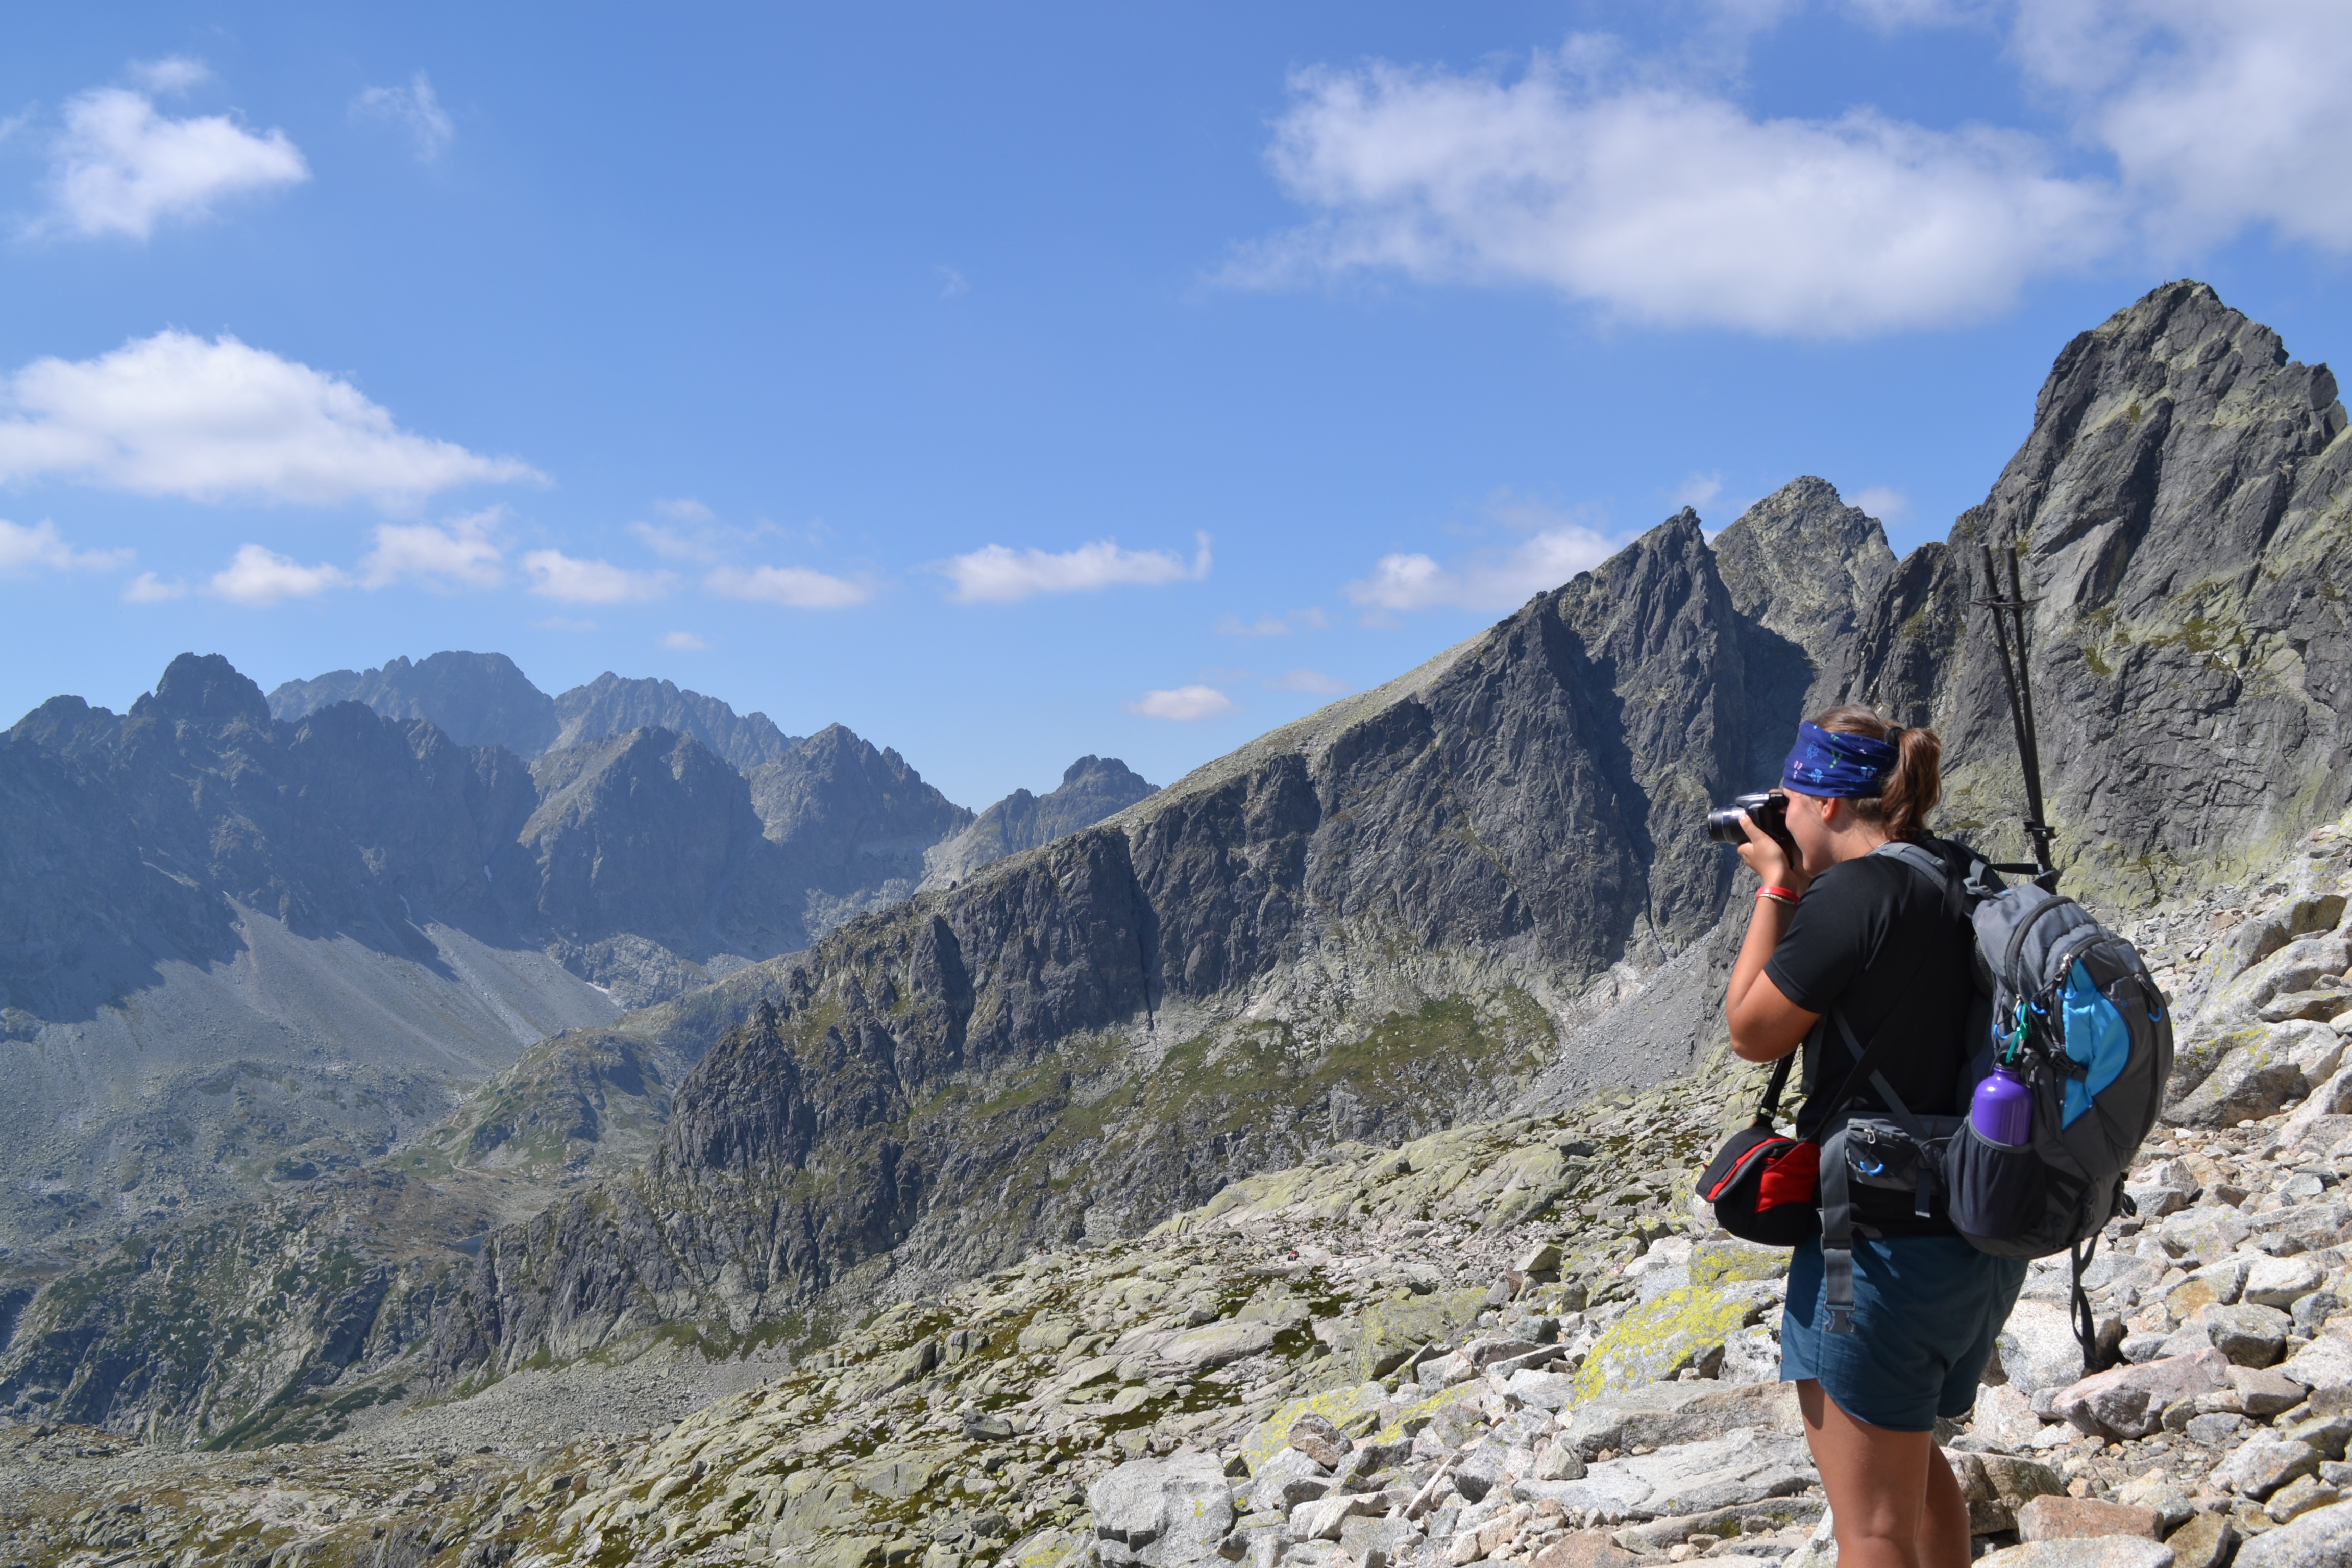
(1768, 858)
(1765, 1024)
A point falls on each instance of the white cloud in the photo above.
(119, 167)
(457, 555)
(176, 415)
(556, 575)
(172, 73)
(1887, 504)
(1309, 681)
(951, 283)
(1263, 627)
(1183, 703)
(1891, 15)
(2221, 114)
(416, 109)
(685, 509)
(671, 546)
(798, 587)
(684, 642)
(1697, 490)
(1270, 625)
(1643, 188)
(998, 576)
(149, 589)
(258, 577)
(1487, 581)
(43, 545)
(563, 624)
(1669, 205)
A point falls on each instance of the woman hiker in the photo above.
(1841, 927)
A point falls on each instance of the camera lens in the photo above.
(1724, 824)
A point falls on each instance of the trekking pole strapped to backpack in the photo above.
(2076, 1048)
(2020, 684)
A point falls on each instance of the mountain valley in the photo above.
(971, 1161)
(248, 945)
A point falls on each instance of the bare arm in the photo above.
(1765, 1024)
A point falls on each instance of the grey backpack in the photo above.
(2076, 1017)
(2067, 1007)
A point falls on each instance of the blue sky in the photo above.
(1016, 381)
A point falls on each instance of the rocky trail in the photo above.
(1512, 1341)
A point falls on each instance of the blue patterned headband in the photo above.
(1839, 766)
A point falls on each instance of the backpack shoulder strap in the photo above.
(1941, 864)
(1918, 857)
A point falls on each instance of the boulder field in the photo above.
(1517, 1341)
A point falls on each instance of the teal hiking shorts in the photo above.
(1927, 1309)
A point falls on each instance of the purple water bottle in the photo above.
(2002, 1108)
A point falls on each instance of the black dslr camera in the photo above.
(1768, 808)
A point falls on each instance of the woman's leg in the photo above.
(1895, 1501)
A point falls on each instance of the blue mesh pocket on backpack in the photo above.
(2096, 1036)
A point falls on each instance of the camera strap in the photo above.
(1769, 1111)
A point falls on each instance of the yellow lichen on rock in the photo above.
(1349, 1409)
(1413, 1416)
(1657, 1340)
(1729, 1261)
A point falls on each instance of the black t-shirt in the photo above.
(1874, 940)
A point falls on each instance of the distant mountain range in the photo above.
(482, 699)
(1092, 789)
(241, 937)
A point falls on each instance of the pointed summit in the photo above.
(2180, 505)
(204, 688)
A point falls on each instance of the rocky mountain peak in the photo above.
(843, 779)
(204, 688)
(2177, 502)
(1804, 564)
(649, 835)
(611, 705)
(483, 699)
(63, 722)
(1092, 788)
(476, 699)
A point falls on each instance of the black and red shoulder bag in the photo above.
(1767, 1187)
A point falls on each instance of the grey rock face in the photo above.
(647, 839)
(1803, 570)
(853, 823)
(1522, 811)
(609, 705)
(2179, 503)
(1091, 789)
(235, 950)
(1161, 1512)
(474, 698)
